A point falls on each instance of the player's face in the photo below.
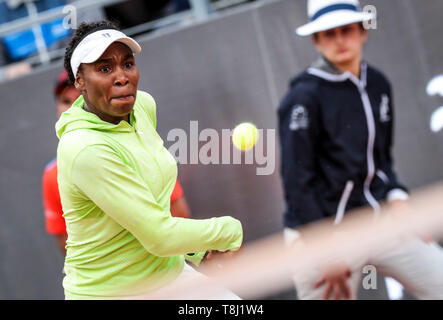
(341, 45)
(109, 85)
(66, 98)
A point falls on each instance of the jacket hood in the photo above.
(324, 69)
(324, 65)
(76, 118)
(320, 64)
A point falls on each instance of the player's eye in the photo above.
(105, 69)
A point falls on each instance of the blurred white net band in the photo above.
(267, 266)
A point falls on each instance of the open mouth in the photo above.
(127, 98)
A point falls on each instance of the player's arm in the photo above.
(101, 175)
(180, 209)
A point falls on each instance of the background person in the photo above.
(65, 94)
(336, 128)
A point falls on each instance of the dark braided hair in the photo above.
(83, 30)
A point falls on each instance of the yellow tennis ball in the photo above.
(245, 136)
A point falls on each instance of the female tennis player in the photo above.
(116, 177)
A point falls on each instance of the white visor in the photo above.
(333, 20)
(95, 44)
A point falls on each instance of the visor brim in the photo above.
(99, 50)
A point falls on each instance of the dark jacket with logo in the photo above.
(335, 138)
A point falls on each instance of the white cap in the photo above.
(329, 14)
(95, 44)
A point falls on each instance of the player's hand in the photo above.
(219, 258)
(223, 255)
(335, 280)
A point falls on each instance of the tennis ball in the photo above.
(245, 136)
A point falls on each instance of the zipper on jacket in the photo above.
(343, 201)
(370, 148)
(382, 176)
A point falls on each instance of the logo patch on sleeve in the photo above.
(384, 109)
(299, 118)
